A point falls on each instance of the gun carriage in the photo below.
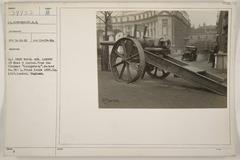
(132, 57)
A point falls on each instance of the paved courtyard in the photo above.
(153, 93)
(171, 92)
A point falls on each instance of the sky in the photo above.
(198, 17)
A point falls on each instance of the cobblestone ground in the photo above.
(171, 92)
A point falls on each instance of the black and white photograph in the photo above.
(162, 58)
(120, 79)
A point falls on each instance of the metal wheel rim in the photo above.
(127, 60)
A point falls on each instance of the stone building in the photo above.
(172, 25)
(203, 37)
(222, 41)
(222, 30)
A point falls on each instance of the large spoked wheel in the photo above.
(156, 72)
(127, 60)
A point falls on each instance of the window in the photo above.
(165, 22)
(145, 15)
(131, 18)
(137, 17)
(124, 19)
(165, 26)
(149, 14)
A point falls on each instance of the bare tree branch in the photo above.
(109, 13)
(102, 12)
(105, 17)
(100, 19)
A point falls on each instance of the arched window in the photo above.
(165, 26)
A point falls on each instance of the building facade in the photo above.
(204, 37)
(222, 41)
(170, 25)
(222, 30)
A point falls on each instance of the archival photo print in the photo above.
(155, 59)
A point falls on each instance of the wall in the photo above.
(181, 31)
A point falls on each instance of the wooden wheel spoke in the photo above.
(131, 57)
(117, 64)
(128, 72)
(134, 65)
(163, 71)
(118, 54)
(155, 71)
(124, 48)
(122, 70)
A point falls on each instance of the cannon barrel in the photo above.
(107, 43)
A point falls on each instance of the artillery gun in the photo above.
(132, 57)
